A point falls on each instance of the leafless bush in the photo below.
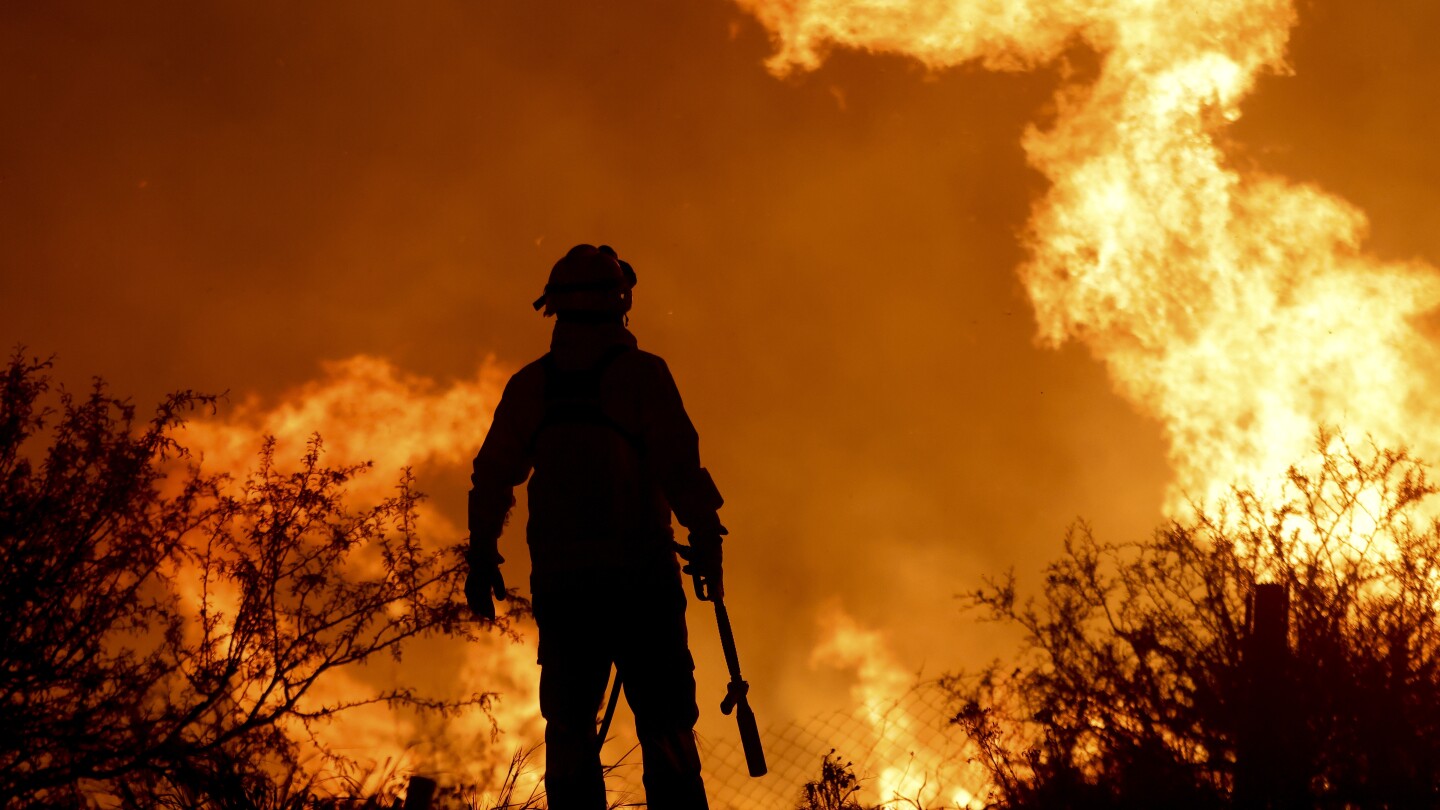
(165, 627)
(1130, 689)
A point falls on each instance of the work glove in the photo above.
(703, 560)
(484, 584)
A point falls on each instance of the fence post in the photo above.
(419, 793)
(1264, 768)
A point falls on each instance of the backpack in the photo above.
(591, 499)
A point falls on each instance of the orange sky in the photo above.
(223, 195)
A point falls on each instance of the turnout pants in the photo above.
(635, 620)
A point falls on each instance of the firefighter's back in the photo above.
(594, 502)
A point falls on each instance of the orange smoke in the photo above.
(1236, 308)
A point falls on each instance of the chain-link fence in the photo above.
(906, 753)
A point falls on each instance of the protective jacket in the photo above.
(601, 425)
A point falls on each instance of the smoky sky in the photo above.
(219, 196)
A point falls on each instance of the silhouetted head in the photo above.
(588, 284)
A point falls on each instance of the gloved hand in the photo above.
(704, 563)
(484, 584)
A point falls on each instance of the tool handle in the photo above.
(750, 738)
(610, 708)
(736, 696)
(727, 640)
(734, 693)
(736, 699)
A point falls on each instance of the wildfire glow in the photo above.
(1235, 307)
(367, 409)
(916, 759)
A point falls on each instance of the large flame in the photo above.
(1235, 307)
(366, 409)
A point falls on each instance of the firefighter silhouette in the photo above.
(598, 428)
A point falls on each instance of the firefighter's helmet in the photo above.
(588, 279)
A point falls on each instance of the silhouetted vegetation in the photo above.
(1137, 687)
(164, 628)
(836, 789)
